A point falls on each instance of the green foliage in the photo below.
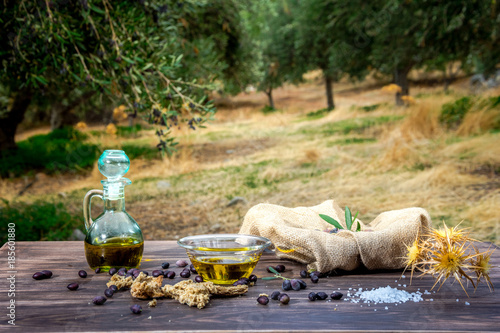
(350, 141)
(268, 109)
(127, 52)
(270, 25)
(495, 101)
(128, 132)
(347, 126)
(217, 47)
(349, 220)
(453, 113)
(369, 108)
(38, 221)
(134, 151)
(60, 150)
(317, 114)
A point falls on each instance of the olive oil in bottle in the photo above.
(114, 239)
(224, 270)
(116, 252)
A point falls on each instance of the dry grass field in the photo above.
(371, 160)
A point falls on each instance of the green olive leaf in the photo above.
(331, 220)
(348, 218)
(273, 270)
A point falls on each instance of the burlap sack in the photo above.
(299, 234)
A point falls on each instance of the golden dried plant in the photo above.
(449, 253)
(111, 129)
(452, 235)
(408, 100)
(414, 256)
(119, 113)
(481, 266)
(449, 261)
(392, 88)
(81, 125)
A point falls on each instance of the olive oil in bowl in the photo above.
(224, 270)
(224, 258)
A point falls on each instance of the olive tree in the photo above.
(126, 51)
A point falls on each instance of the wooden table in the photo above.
(47, 305)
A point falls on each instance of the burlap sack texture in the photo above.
(381, 244)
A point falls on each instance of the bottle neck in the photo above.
(114, 196)
(115, 204)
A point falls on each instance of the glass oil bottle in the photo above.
(114, 239)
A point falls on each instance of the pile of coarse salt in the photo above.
(384, 295)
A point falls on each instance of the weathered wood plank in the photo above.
(47, 305)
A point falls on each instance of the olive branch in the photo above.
(349, 220)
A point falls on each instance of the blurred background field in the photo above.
(367, 154)
(224, 104)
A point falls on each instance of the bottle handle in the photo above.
(86, 206)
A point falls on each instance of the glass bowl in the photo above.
(224, 258)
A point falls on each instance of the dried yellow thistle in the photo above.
(449, 253)
(449, 235)
(481, 266)
(450, 261)
(414, 256)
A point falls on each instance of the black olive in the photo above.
(253, 278)
(99, 300)
(157, 273)
(275, 295)
(295, 285)
(48, 274)
(181, 263)
(108, 292)
(280, 268)
(336, 295)
(73, 286)
(303, 285)
(321, 295)
(284, 299)
(137, 309)
(287, 285)
(263, 300)
(185, 274)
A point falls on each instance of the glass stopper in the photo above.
(113, 164)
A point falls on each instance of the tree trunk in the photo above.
(269, 94)
(450, 76)
(60, 112)
(15, 116)
(131, 118)
(329, 92)
(447, 82)
(401, 79)
(56, 116)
